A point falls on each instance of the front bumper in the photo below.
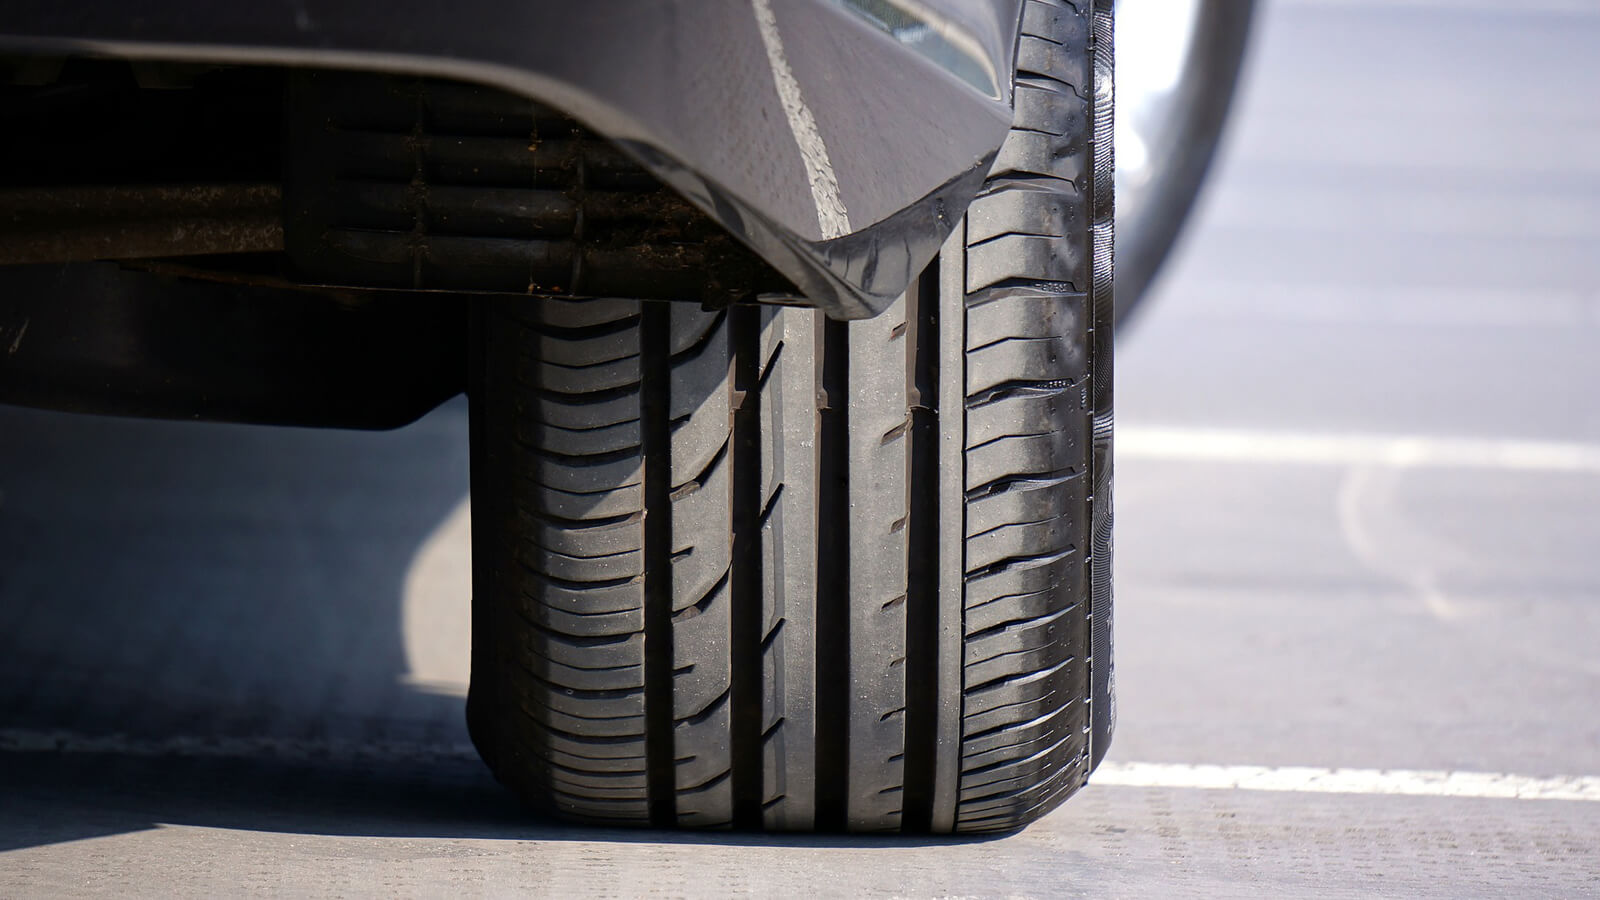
(840, 139)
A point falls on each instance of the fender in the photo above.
(840, 139)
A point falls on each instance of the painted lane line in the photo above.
(1353, 304)
(1229, 445)
(832, 218)
(1585, 8)
(1290, 779)
(1306, 780)
(1368, 493)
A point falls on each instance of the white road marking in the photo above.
(1249, 446)
(1291, 779)
(832, 218)
(1368, 490)
(1521, 8)
(1302, 779)
(1335, 303)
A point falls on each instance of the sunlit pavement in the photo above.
(1358, 507)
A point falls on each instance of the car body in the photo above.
(841, 139)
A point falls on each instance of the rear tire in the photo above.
(755, 568)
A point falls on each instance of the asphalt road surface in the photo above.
(1359, 530)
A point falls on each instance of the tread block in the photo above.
(1008, 258)
(1050, 451)
(582, 474)
(1061, 23)
(1038, 55)
(701, 405)
(588, 651)
(575, 380)
(584, 353)
(1046, 572)
(1014, 409)
(1035, 154)
(1001, 362)
(617, 624)
(1026, 312)
(598, 439)
(789, 535)
(701, 671)
(879, 504)
(577, 505)
(1049, 109)
(577, 413)
(578, 538)
(582, 599)
(592, 724)
(702, 768)
(702, 550)
(1024, 500)
(1026, 209)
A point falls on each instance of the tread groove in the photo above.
(924, 545)
(654, 411)
(747, 645)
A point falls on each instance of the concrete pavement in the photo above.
(232, 657)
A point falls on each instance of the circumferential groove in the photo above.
(654, 410)
(923, 546)
(746, 581)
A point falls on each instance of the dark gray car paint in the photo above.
(691, 87)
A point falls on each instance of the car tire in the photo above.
(752, 567)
